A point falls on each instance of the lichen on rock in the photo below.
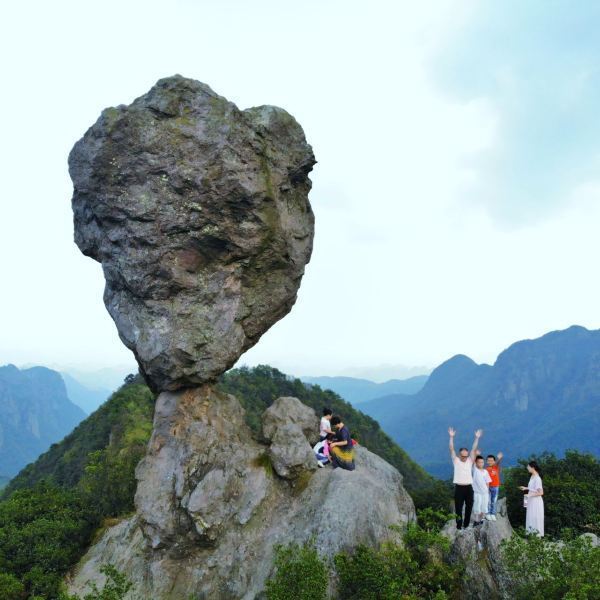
(199, 214)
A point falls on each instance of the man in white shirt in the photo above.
(463, 479)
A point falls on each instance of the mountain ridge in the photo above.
(540, 394)
(35, 411)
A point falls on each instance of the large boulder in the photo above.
(199, 214)
(290, 453)
(287, 409)
(211, 509)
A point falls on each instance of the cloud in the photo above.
(536, 65)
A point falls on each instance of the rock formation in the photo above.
(478, 548)
(212, 507)
(199, 214)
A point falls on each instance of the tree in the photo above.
(571, 492)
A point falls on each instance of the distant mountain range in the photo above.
(35, 412)
(89, 399)
(356, 390)
(541, 394)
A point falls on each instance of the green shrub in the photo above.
(433, 520)
(115, 588)
(299, 574)
(417, 569)
(43, 531)
(571, 492)
(11, 588)
(545, 570)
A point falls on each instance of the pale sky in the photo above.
(456, 194)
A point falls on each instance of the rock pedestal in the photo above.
(478, 548)
(211, 507)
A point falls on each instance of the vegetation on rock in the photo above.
(545, 570)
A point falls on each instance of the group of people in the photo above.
(335, 445)
(476, 487)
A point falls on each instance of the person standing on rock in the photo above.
(494, 468)
(534, 519)
(481, 493)
(342, 448)
(463, 478)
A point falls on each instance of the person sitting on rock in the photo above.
(321, 452)
(341, 448)
(325, 425)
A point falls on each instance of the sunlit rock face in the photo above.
(199, 214)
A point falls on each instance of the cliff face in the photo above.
(200, 217)
(212, 505)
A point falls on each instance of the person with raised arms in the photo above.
(463, 478)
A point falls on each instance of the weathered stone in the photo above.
(210, 530)
(201, 471)
(478, 549)
(287, 409)
(200, 217)
(290, 452)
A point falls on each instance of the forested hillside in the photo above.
(85, 480)
(124, 423)
(35, 411)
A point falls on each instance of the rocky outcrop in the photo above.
(478, 549)
(199, 214)
(286, 411)
(211, 507)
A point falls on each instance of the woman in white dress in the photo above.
(534, 521)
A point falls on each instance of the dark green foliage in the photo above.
(124, 420)
(299, 574)
(417, 569)
(11, 588)
(258, 387)
(43, 531)
(53, 507)
(432, 520)
(544, 570)
(571, 492)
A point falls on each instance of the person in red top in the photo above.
(493, 468)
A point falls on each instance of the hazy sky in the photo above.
(457, 190)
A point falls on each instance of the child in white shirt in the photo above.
(325, 426)
(481, 484)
